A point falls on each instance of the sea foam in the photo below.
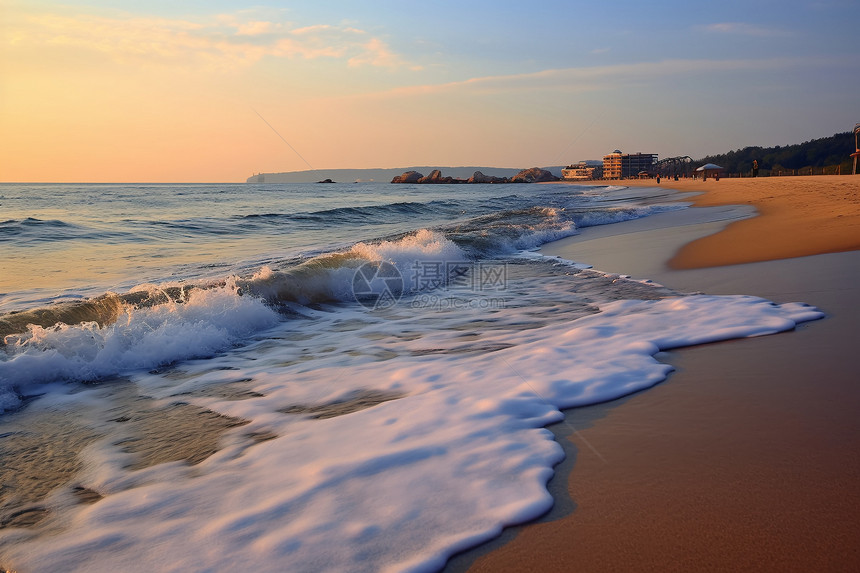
(201, 321)
(381, 440)
(398, 486)
(206, 322)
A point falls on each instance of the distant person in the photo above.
(658, 179)
(755, 167)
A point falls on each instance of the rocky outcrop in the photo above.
(436, 177)
(478, 177)
(534, 175)
(408, 177)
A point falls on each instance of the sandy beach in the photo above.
(215, 429)
(798, 216)
(748, 457)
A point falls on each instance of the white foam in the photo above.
(422, 246)
(399, 486)
(557, 260)
(207, 322)
(620, 214)
(539, 237)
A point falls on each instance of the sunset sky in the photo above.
(196, 90)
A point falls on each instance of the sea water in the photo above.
(317, 377)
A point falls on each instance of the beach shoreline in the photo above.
(746, 458)
(233, 416)
(798, 216)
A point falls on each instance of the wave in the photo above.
(328, 277)
(506, 232)
(156, 325)
(399, 212)
(399, 208)
(608, 216)
(324, 278)
(360, 214)
(152, 325)
(199, 324)
(331, 277)
(32, 230)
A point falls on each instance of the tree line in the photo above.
(832, 153)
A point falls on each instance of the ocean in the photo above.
(309, 377)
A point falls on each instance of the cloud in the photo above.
(589, 78)
(377, 53)
(224, 39)
(743, 29)
(317, 28)
(257, 28)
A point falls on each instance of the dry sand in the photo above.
(798, 216)
(748, 457)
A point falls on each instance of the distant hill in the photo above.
(825, 152)
(383, 175)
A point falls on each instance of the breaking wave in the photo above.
(152, 325)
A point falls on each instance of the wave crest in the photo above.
(207, 321)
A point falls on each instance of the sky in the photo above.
(217, 90)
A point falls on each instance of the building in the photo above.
(636, 163)
(617, 165)
(612, 165)
(583, 171)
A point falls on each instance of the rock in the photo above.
(533, 175)
(408, 177)
(434, 177)
(326, 181)
(478, 177)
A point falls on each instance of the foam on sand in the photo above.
(458, 452)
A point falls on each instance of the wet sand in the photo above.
(746, 459)
(41, 445)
